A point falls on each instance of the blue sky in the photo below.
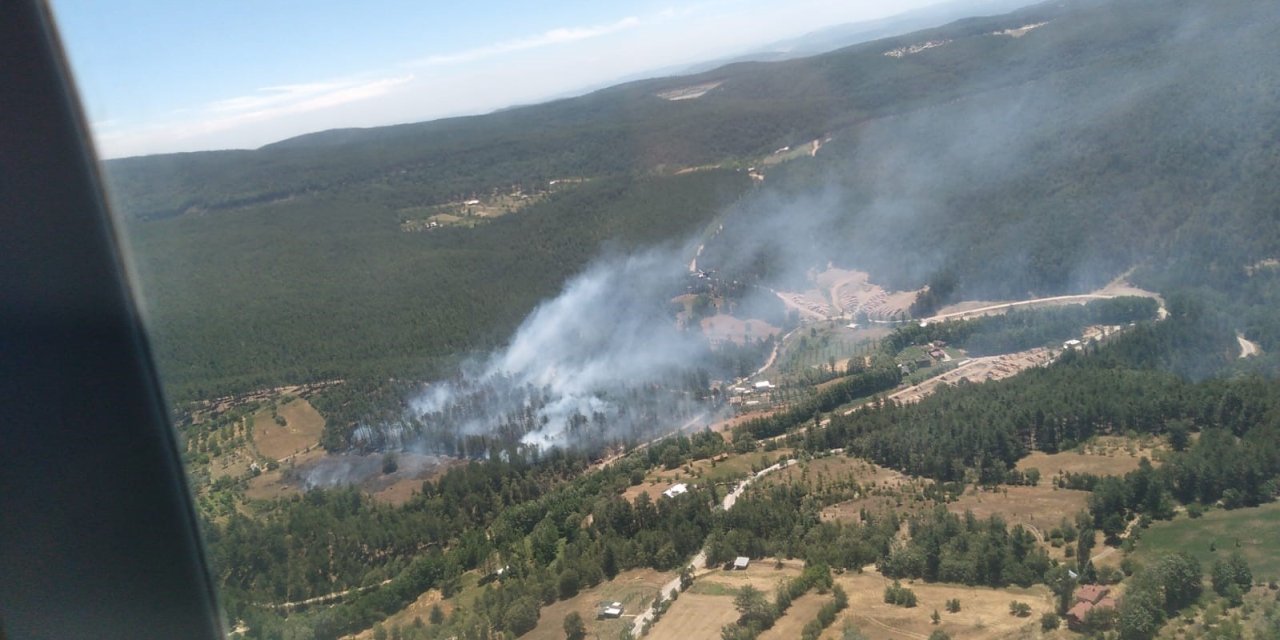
(180, 75)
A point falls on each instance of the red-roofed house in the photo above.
(1088, 598)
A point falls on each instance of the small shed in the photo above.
(611, 610)
(740, 563)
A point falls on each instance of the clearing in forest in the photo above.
(1101, 456)
(300, 432)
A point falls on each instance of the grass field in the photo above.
(984, 612)
(693, 615)
(718, 470)
(634, 589)
(301, 430)
(1256, 529)
(838, 468)
(1103, 456)
(802, 610)
(707, 606)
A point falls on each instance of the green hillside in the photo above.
(1113, 135)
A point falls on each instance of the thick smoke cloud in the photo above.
(593, 353)
(1020, 185)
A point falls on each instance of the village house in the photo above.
(1088, 598)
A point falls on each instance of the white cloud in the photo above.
(115, 139)
(555, 36)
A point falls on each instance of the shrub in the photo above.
(1049, 621)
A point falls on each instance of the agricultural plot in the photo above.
(707, 606)
(1218, 533)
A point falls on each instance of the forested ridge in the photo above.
(988, 167)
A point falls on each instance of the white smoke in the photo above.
(608, 331)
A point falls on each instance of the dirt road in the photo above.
(699, 561)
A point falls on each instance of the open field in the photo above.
(978, 370)
(984, 612)
(1038, 509)
(721, 469)
(466, 213)
(708, 604)
(726, 328)
(1103, 456)
(301, 430)
(634, 589)
(801, 612)
(692, 616)
(819, 345)
(1254, 529)
(833, 468)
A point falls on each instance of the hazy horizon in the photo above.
(156, 78)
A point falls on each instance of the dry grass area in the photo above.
(984, 612)
(271, 484)
(802, 610)
(838, 467)
(978, 370)
(1038, 509)
(634, 589)
(1103, 456)
(726, 328)
(300, 432)
(708, 605)
(420, 608)
(720, 469)
(694, 615)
